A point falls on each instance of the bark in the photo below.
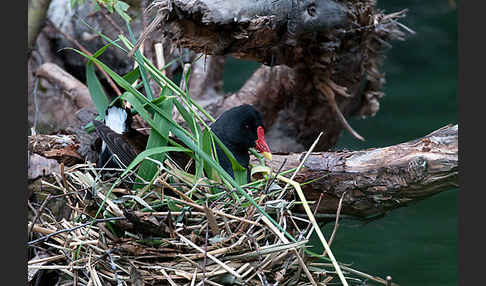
(40, 166)
(76, 90)
(267, 31)
(376, 180)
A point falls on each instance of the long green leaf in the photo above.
(151, 152)
(134, 96)
(96, 90)
(196, 131)
(98, 95)
(208, 148)
(148, 169)
(143, 73)
(157, 74)
(238, 171)
(140, 97)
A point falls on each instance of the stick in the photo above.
(219, 262)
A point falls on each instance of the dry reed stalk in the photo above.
(215, 211)
(227, 268)
(245, 244)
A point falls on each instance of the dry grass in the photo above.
(172, 233)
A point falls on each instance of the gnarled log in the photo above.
(376, 180)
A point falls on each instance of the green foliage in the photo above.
(117, 6)
(96, 91)
(200, 145)
(148, 169)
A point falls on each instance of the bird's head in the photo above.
(243, 127)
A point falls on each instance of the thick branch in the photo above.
(377, 180)
(75, 89)
(262, 30)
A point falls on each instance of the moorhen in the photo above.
(239, 128)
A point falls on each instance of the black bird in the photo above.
(239, 128)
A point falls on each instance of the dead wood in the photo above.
(324, 68)
(62, 148)
(41, 166)
(376, 180)
(76, 90)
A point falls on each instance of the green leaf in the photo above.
(132, 76)
(189, 118)
(120, 8)
(135, 95)
(143, 73)
(151, 152)
(207, 147)
(196, 130)
(164, 81)
(149, 169)
(238, 170)
(96, 91)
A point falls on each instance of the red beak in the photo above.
(261, 145)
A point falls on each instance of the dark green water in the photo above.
(417, 244)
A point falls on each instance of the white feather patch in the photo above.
(116, 119)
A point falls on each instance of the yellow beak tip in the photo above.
(267, 155)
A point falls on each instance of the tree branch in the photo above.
(76, 90)
(379, 179)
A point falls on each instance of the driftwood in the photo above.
(376, 180)
(372, 181)
(271, 32)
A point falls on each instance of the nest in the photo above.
(172, 232)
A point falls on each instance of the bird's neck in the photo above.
(240, 153)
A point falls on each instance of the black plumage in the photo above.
(239, 128)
